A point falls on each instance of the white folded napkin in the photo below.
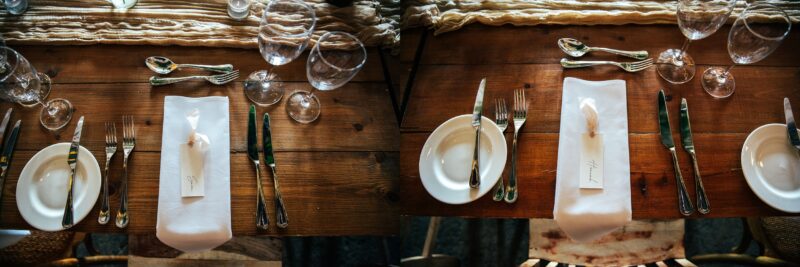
(587, 214)
(195, 223)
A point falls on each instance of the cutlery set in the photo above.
(163, 65)
(128, 143)
(262, 218)
(8, 147)
(684, 202)
(520, 112)
(575, 48)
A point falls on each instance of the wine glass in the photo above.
(283, 35)
(21, 83)
(334, 60)
(754, 35)
(697, 19)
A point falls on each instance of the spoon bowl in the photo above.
(160, 65)
(572, 47)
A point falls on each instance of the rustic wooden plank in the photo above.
(356, 117)
(443, 91)
(326, 193)
(121, 63)
(478, 44)
(253, 248)
(653, 189)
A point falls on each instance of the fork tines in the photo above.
(111, 135)
(128, 131)
(520, 106)
(501, 113)
(638, 65)
(224, 78)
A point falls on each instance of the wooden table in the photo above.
(450, 66)
(338, 174)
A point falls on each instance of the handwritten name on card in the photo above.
(192, 178)
(591, 162)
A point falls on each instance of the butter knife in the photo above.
(5, 158)
(477, 111)
(269, 159)
(791, 127)
(72, 159)
(262, 221)
(684, 203)
(4, 124)
(688, 145)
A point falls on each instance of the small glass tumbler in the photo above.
(238, 9)
(16, 7)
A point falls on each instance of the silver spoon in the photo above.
(575, 48)
(163, 65)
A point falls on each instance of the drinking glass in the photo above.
(122, 4)
(283, 35)
(754, 35)
(334, 60)
(238, 9)
(22, 84)
(16, 7)
(697, 19)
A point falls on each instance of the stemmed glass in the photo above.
(697, 19)
(21, 83)
(283, 35)
(334, 60)
(754, 35)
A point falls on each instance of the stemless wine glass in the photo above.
(334, 60)
(697, 19)
(21, 83)
(285, 30)
(754, 35)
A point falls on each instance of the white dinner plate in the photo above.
(446, 159)
(771, 167)
(42, 187)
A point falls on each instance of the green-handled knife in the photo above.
(5, 158)
(684, 203)
(262, 221)
(269, 157)
(688, 145)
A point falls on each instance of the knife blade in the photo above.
(791, 127)
(684, 203)
(4, 125)
(477, 111)
(5, 158)
(280, 210)
(72, 159)
(688, 145)
(262, 221)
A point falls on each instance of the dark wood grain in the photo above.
(326, 193)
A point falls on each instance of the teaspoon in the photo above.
(163, 65)
(576, 48)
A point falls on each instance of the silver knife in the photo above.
(72, 159)
(5, 157)
(684, 203)
(791, 127)
(477, 111)
(688, 145)
(4, 124)
(269, 159)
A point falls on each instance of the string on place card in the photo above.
(591, 156)
(192, 159)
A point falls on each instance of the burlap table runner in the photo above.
(444, 16)
(185, 22)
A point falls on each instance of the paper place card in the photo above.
(591, 161)
(192, 178)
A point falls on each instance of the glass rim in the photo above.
(360, 44)
(770, 6)
(12, 68)
(303, 4)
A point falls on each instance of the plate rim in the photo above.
(493, 129)
(755, 183)
(91, 198)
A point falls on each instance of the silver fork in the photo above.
(501, 118)
(111, 149)
(215, 79)
(520, 114)
(627, 66)
(128, 142)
